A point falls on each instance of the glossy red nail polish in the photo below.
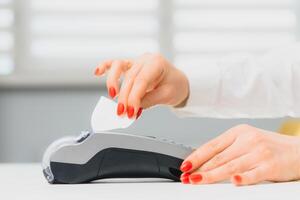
(185, 180)
(237, 178)
(196, 178)
(185, 175)
(112, 92)
(138, 114)
(120, 109)
(130, 111)
(97, 72)
(186, 166)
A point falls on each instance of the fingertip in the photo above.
(120, 109)
(184, 175)
(130, 111)
(237, 180)
(139, 112)
(101, 68)
(97, 72)
(186, 166)
(184, 178)
(134, 102)
(195, 178)
(112, 92)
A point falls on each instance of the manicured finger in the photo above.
(142, 83)
(126, 88)
(112, 82)
(139, 113)
(230, 153)
(208, 151)
(103, 67)
(184, 178)
(225, 171)
(250, 177)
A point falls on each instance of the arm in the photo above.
(246, 86)
(243, 86)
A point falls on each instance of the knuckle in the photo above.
(243, 127)
(117, 62)
(254, 138)
(258, 137)
(268, 153)
(265, 152)
(240, 129)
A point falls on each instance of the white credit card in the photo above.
(105, 118)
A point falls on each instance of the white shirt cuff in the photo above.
(204, 84)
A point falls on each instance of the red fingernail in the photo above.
(112, 92)
(196, 178)
(185, 180)
(120, 109)
(130, 111)
(186, 166)
(138, 114)
(185, 175)
(237, 178)
(97, 72)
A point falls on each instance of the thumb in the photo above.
(160, 95)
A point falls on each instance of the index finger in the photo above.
(101, 69)
(145, 79)
(208, 151)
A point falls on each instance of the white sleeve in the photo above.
(245, 86)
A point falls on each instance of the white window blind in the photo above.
(80, 33)
(55, 36)
(207, 29)
(6, 36)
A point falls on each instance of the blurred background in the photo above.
(49, 49)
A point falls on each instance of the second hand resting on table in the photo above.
(244, 154)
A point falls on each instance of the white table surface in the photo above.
(26, 181)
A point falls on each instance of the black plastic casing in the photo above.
(118, 163)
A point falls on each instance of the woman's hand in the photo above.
(148, 80)
(246, 155)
